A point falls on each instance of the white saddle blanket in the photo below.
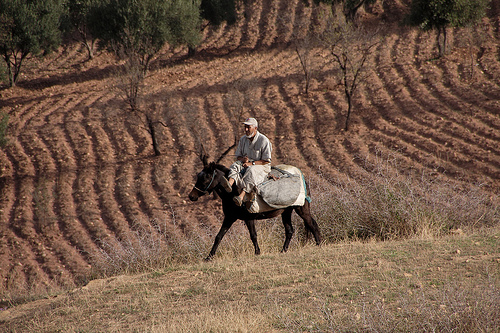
(288, 190)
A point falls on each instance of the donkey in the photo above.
(213, 178)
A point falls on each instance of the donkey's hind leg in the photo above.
(253, 235)
(309, 222)
(286, 217)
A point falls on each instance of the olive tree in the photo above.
(218, 11)
(139, 29)
(77, 18)
(136, 30)
(28, 27)
(441, 14)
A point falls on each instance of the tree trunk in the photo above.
(89, 45)
(12, 83)
(154, 139)
(444, 40)
(14, 72)
(440, 50)
(90, 48)
(303, 58)
(350, 14)
(441, 46)
(349, 109)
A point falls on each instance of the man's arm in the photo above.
(259, 162)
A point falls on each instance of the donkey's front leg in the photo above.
(253, 235)
(226, 224)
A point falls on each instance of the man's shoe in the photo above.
(237, 200)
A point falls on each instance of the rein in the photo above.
(208, 186)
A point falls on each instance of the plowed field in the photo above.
(79, 169)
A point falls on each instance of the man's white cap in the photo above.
(251, 122)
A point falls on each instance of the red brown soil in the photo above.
(79, 170)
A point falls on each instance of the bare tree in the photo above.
(304, 48)
(349, 45)
(239, 100)
(304, 43)
(472, 39)
(130, 82)
(235, 100)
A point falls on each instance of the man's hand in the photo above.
(243, 159)
(273, 177)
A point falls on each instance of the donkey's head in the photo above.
(206, 181)
(210, 177)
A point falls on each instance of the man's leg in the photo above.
(249, 180)
(227, 185)
(235, 175)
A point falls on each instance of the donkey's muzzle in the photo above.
(193, 195)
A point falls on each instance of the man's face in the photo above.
(250, 130)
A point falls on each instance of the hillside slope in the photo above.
(79, 171)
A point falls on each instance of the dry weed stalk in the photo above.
(392, 204)
(148, 248)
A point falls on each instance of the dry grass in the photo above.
(391, 203)
(446, 284)
(148, 248)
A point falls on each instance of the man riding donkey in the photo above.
(253, 162)
(281, 189)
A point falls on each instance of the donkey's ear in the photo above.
(203, 156)
(204, 159)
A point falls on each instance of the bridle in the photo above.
(208, 186)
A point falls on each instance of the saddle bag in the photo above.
(283, 191)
